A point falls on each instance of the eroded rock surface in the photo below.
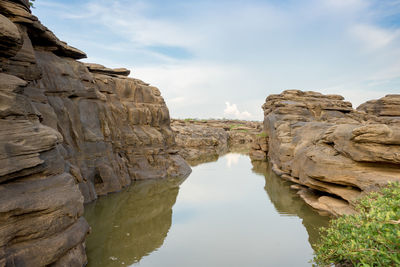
(206, 140)
(69, 132)
(333, 151)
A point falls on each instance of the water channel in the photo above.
(226, 213)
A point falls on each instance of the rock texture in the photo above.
(333, 151)
(69, 131)
(206, 140)
(259, 148)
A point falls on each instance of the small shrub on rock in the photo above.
(369, 238)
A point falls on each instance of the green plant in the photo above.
(234, 126)
(31, 3)
(262, 134)
(369, 238)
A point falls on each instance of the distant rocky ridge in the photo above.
(69, 131)
(333, 152)
(205, 140)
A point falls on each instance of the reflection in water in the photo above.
(234, 151)
(232, 159)
(288, 203)
(131, 224)
(221, 217)
(202, 159)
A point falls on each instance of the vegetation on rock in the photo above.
(368, 238)
(262, 134)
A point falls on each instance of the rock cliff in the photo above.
(333, 152)
(69, 131)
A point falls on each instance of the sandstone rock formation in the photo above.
(205, 140)
(259, 148)
(69, 131)
(332, 151)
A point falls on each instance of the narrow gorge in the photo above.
(71, 132)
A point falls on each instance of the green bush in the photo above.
(262, 134)
(369, 238)
(234, 126)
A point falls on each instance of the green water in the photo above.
(226, 213)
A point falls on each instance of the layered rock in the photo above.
(334, 152)
(206, 140)
(259, 148)
(68, 132)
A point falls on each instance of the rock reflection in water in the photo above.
(287, 202)
(242, 149)
(132, 223)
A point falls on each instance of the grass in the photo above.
(190, 119)
(262, 134)
(369, 238)
(234, 126)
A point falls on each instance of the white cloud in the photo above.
(178, 99)
(232, 159)
(232, 111)
(345, 4)
(131, 22)
(374, 37)
(243, 51)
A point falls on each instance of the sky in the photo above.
(221, 59)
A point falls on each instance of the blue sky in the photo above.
(223, 58)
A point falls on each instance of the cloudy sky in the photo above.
(220, 58)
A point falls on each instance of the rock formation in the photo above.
(205, 140)
(334, 153)
(259, 148)
(69, 131)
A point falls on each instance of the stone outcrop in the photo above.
(206, 140)
(69, 131)
(259, 148)
(334, 153)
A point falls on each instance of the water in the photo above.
(226, 213)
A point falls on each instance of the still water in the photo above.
(226, 213)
